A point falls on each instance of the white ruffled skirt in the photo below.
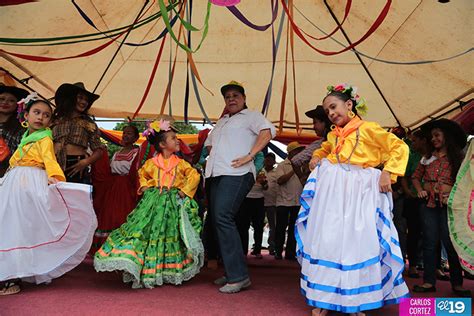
(45, 231)
(347, 244)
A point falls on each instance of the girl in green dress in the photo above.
(159, 243)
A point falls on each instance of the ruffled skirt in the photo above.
(460, 217)
(347, 244)
(158, 244)
(45, 230)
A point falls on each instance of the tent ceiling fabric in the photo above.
(413, 30)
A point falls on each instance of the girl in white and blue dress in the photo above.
(347, 244)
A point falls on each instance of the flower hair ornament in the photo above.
(347, 89)
(23, 104)
(156, 127)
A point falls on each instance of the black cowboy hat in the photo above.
(67, 90)
(448, 127)
(19, 93)
(233, 85)
(320, 114)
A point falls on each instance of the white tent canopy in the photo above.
(412, 31)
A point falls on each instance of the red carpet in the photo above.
(274, 291)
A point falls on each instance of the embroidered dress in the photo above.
(460, 217)
(115, 192)
(159, 243)
(45, 230)
(347, 244)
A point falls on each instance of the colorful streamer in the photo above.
(173, 36)
(150, 80)
(375, 25)
(46, 59)
(236, 12)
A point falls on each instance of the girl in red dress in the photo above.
(115, 186)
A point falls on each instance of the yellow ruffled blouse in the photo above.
(39, 154)
(186, 178)
(376, 147)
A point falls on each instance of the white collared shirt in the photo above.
(233, 137)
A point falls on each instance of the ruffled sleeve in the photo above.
(145, 174)
(191, 178)
(394, 149)
(51, 165)
(324, 150)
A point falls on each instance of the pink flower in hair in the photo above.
(165, 125)
(339, 87)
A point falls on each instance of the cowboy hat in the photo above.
(67, 90)
(320, 114)
(19, 93)
(292, 146)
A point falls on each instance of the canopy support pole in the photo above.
(362, 63)
(120, 46)
(24, 84)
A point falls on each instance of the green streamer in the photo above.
(108, 34)
(173, 36)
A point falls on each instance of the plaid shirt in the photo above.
(436, 174)
(12, 138)
(79, 131)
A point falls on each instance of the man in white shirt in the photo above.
(288, 204)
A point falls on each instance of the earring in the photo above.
(351, 114)
(333, 126)
(24, 124)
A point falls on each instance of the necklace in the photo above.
(348, 160)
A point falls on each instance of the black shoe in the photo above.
(462, 293)
(278, 256)
(272, 252)
(422, 289)
(291, 258)
(442, 277)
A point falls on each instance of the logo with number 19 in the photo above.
(453, 307)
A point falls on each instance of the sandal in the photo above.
(10, 287)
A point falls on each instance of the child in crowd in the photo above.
(45, 231)
(438, 177)
(76, 136)
(160, 241)
(347, 244)
(115, 186)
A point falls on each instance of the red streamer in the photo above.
(46, 59)
(346, 14)
(372, 29)
(152, 77)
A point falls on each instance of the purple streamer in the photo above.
(236, 12)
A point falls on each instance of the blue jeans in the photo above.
(435, 228)
(227, 194)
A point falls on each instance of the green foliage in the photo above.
(182, 128)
